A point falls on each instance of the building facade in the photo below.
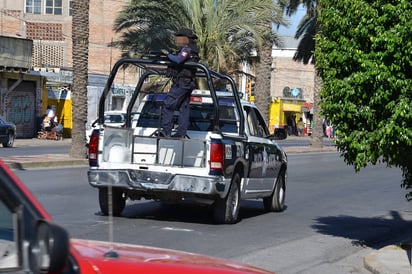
(292, 88)
(48, 23)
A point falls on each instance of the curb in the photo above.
(302, 149)
(43, 161)
(382, 261)
(46, 164)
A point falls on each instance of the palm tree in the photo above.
(264, 66)
(227, 30)
(80, 38)
(306, 31)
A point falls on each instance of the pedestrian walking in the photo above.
(300, 127)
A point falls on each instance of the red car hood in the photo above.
(142, 259)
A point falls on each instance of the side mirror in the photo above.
(50, 251)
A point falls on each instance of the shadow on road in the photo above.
(186, 212)
(372, 232)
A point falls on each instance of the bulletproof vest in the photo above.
(177, 71)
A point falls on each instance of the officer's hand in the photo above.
(165, 52)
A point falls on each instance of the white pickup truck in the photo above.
(227, 155)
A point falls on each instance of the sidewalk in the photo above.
(44, 160)
(389, 260)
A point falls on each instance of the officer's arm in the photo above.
(180, 58)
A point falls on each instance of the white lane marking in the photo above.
(176, 229)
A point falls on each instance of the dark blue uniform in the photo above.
(178, 97)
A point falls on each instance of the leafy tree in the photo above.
(306, 31)
(80, 37)
(364, 55)
(228, 30)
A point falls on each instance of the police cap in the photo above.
(186, 32)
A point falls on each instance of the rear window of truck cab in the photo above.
(201, 113)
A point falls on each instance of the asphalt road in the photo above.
(334, 217)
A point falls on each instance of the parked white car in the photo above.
(114, 118)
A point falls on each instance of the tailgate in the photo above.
(168, 151)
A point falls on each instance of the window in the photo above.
(54, 7)
(33, 6)
(70, 7)
(256, 123)
(8, 245)
(261, 124)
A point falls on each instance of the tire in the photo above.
(118, 201)
(10, 140)
(276, 201)
(226, 211)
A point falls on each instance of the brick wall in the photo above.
(288, 73)
(44, 31)
(102, 15)
(52, 33)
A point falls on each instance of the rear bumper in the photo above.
(145, 180)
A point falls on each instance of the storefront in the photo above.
(20, 102)
(59, 99)
(20, 91)
(285, 113)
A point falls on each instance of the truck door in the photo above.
(263, 165)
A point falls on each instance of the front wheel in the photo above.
(226, 210)
(276, 201)
(10, 140)
(117, 199)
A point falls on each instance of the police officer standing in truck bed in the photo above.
(183, 79)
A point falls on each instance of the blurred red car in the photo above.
(31, 243)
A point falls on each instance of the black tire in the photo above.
(276, 201)
(118, 201)
(226, 211)
(10, 140)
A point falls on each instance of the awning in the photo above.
(306, 107)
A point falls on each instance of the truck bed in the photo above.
(122, 145)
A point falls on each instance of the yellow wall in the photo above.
(276, 117)
(63, 113)
(63, 109)
(277, 110)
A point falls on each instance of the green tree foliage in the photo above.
(364, 55)
(306, 29)
(229, 31)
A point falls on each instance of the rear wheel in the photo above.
(226, 211)
(117, 199)
(276, 201)
(10, 140)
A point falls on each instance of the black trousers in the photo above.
(178, 98)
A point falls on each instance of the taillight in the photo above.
(94, 148)
(195, 99)
(216, 157)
